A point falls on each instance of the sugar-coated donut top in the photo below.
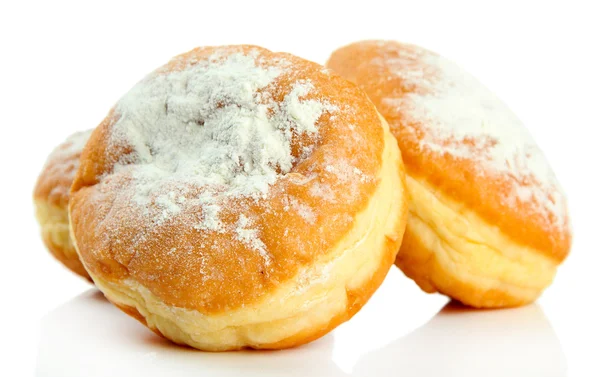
(55, 180)
(221, 174)
(460, 136)
(463, 118)
(210, 125)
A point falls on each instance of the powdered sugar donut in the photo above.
(51, 199)
(488, 222)
(238, 198)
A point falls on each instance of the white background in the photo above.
(64, 65)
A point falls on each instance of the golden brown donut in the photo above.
(488, 222)
(51, 199)
(240, 198)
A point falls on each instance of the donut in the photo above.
(51, 199)
(240, 198)
(488, 221)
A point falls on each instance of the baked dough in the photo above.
(488, 222)
(51, 198)
(240, 198)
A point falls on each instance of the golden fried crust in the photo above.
(370, 64)
(106, 231)
(55, 179)
(51, 197)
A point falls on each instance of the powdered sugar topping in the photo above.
(464, 119)
(73, 145)
(249, 236)
(63, 162)
(208, 133)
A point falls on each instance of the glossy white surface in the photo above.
(88, 336)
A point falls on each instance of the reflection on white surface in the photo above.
(460, 341)
(89, 337)
(411, 336)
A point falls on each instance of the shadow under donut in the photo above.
(461, 341)
(88, 336)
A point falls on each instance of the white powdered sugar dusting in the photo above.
(211, 132)
(464, 119)
(249, 237)
(304, 210)
(323, 191)
(72, 145)
(64, 159)
(71, 148)
(210, 217)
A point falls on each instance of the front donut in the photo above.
(239, 198)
